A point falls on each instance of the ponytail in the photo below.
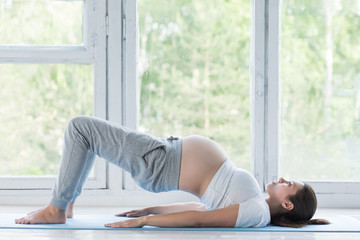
(284, 222)
(318, 221)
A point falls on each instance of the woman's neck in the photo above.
(275, 207)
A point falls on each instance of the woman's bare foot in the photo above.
(38, 210)
(49, 214)
(69, 210)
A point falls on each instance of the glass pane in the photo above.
(38, 22)
(194, 71)
(320, 90)
(36, 102)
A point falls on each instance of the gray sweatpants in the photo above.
(154, 163)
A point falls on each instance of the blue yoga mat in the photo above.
(339, 223)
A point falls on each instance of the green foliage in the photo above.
(194, 70)
(193, 79)
(36, 101)
(40, 22)
(320, 136)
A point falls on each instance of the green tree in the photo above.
(37, 100)
(194, 71)
(320, 100)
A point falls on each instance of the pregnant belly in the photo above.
(200, 160)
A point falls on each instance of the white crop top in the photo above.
(232, 185)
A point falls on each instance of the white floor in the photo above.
(20, 234)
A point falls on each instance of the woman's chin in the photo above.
(269, 186)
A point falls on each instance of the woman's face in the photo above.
(282, 189)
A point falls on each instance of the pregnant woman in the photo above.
(229, 196)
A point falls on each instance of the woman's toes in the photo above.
(18, 221)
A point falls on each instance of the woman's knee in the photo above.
(79, 127)
(78, 123)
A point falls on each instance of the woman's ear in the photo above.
(288, 205)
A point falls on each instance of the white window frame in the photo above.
(110, 45)
(92, 52)
(118, 20)
(265, 105)
(122, 75)
(266, 102)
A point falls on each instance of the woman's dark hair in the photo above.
(305, 204)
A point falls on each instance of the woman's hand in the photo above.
(131, 223)
(134, 213)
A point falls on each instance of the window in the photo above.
(283, 40)
(194, 71)
(41, 22)
(320, 90)
(34, 115)
(198, 69)
(52, 67)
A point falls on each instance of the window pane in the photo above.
(36, 101)
(194, 71)
(320, 90)
(35, 22)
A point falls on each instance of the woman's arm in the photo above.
(224, 217)
(172, 208)
(178, 207)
